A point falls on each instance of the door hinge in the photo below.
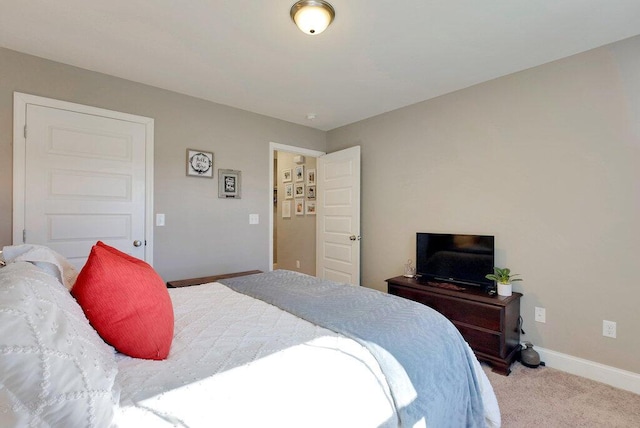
(145, 242)
(24, 236)
(25, 131)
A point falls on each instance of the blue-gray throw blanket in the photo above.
(423, 356)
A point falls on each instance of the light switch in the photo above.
(254, 218)
(159, 219)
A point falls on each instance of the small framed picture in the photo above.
(311, 177)
(286, 209)
(228, 184)
(299, 173)
(199, 163)
(288, 191)
(299, 206)
(311, 192)
(310, 208)
(286, 175)
(299, 191)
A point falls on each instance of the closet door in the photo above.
(84, 181)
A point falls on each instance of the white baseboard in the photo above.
(618, 378)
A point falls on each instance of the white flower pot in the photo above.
(504, 289)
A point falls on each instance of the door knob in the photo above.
(137, 243)
(354, 238)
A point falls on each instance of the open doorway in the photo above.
(292, 232)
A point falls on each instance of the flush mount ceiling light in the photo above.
(312, 16)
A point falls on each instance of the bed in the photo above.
(274, 349)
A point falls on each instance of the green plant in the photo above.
(503, 275)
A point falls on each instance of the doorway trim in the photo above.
(20, 101)
(277, 147)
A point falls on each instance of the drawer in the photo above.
(465, 311)
(482, 341)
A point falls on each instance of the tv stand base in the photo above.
(499, 365)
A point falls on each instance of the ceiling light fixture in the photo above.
(312, 16)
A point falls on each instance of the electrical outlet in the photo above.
(609, 329)
(541, 314)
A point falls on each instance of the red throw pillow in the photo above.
(127, 303)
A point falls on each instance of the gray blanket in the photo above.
(427, 364)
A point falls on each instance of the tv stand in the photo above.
(489, 324)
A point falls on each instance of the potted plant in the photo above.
(504, 278)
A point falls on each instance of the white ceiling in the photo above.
(377, 56)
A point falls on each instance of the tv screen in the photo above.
(460, 259)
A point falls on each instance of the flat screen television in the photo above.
(455, 258)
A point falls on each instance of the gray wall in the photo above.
(548, 161)
(203, 234)
(296, 236)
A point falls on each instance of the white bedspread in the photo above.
(237, 361)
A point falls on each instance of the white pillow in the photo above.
(45, 258)
(54, 368)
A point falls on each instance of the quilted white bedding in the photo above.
(237, 361)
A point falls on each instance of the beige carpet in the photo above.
(545, 397)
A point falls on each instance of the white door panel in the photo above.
(338, 216)
(85, 181)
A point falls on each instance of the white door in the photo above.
(338, 216)
(84, 181)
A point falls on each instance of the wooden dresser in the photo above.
(490, 324)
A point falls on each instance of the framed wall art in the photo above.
(288, 191)
(286, 209)
(311, 177)
(299, 206)
(311, 192)
(199, 163)
(299, 173)
(299, 191)
(286, 175)
(229, 184)
(310, 208)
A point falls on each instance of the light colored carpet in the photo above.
(545, 397)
